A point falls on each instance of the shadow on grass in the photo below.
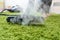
(31, 25)
(37, 25)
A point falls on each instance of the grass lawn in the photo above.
(50, 31)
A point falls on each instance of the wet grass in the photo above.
(50, 31)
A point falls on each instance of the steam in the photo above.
(35, 12)
(36, 7)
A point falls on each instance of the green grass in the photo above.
(50, 31)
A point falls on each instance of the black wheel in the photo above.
(8, 19)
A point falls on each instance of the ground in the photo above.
(49, 31)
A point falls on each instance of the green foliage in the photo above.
(49, 31)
